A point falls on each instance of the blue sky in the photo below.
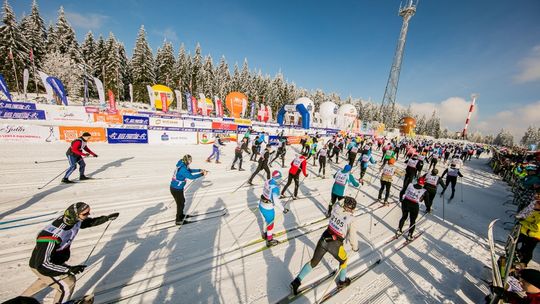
(454, 48)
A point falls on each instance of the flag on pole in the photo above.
(10, 54)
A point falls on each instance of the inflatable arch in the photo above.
(300, 108)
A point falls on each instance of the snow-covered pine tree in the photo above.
(66, 39)
(113, 79)
(182, 70)
(531, 137)
(12, 45)
(99, 57)
(196, 71)
(222, 78)
(52, 40)
(60, 65)
(504, 138)
(33, 29)
(142, 64)
(208, 77)
(88, 50)
(125, 72)
(165, 64)
(245, 81)
(235, 78)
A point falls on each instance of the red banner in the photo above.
(219, 108)
(194, 105)
(163, 102)
(217, 125)
(112, 103)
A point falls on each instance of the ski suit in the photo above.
(75, 156)
(364, 161)
(299, 164)
(409, 205)
(341, 180)
(453, 174)
(269, 199)
(178, 182)
(432, 181)
(387, 175)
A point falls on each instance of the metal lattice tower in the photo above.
(406, 11)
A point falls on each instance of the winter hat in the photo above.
(422, 181)
(71, 215)
(347, 168)
(276, 174)
(86, 134)
(531, 275)
(392, 161)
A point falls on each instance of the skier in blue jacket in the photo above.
(178, 182)
(364, 161)
(341, 180)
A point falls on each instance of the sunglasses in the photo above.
(85, 213)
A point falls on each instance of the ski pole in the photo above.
(39, 188)
(461, 179)
(384, 216)
(338, 270)
(91, 251)
(48, 161)
(443, 208)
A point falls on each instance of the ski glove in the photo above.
(285, 211)
(95, 155)
(74, 270)
(113, 216)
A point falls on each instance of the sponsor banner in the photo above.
(172, 137)
(241, 121)
(66, 114)
(172, 129)
(127, 136)
(114, 119)
(166, 122)
(69, 133)
(18, 105)
(136, 120)
(293, 140)
(8, 113)
(332, 131)
(224, 126)
(28, 133)
(128, 111)
(91, 109)
(198, 123)
(207, 138)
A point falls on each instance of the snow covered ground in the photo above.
(144, 258)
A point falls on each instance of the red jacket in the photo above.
(297, 163)
(77, 147)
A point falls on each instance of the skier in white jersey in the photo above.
(409, 205)
(269, 200)
(341, 227)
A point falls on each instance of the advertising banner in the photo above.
(66, 114)
(18, 105)
(127, 136)
(172, 137)
(293, 140)
(136, 120)
(4, 89)
(112, 103)
(28, 133)
(7, 113)
(91, 109)
(207, 138)
(216, 125)
(198, 123)
(166, 122)
(69, 133)
(58, 88)
(114, 119)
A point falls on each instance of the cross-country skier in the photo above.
(409, 206)
(410, 173)
(178, 183)
(364, 161)
(341, 180)
(434, 159)
(52, 251)
(420, 164)
(215, 149)
(313, 152)
(281, 151)
(269, 200)
(298, 165)
(242, 146)
(388, 172)
(453, 174)
(75, 156)
(530, 232)
(263, 165)
(255, 148)
(341, 228)
(352, 151)
(389, 153)
(321, 155)
(432, 181)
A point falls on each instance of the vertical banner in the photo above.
(163, 97)
(269, 111)
(131, 93)
(252, 113)
(48, 88)
(85, 99)
(178, 100)
(188, 104)
(194, 105)
(4, 89)
(219, 107)
(112, 103)
(151, 96)
(101, 92)
(58, 88)
(26, 76)
(244, 108)
(203, 105)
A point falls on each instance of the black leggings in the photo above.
(261, 166)
(296, 179)
(322, 164)
(430, 195)
(237, 156)
(327, 244)
(385, 185)
(180, 201)
(451, 180)
(408, 207)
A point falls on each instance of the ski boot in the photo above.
(88, 299)
(294, 286)
(208, 160)
(250, 183)
(399, 233)
(295, 198)
(282, 196)
(410, 237)
(66, 181)
(263, 235)
(343, 284)
(272, 242)
(386, 203)
(180, 220)
(233, 168)
(84, 177)
(218, 162)
(240, 169)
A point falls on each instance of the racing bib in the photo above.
(341, 178)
